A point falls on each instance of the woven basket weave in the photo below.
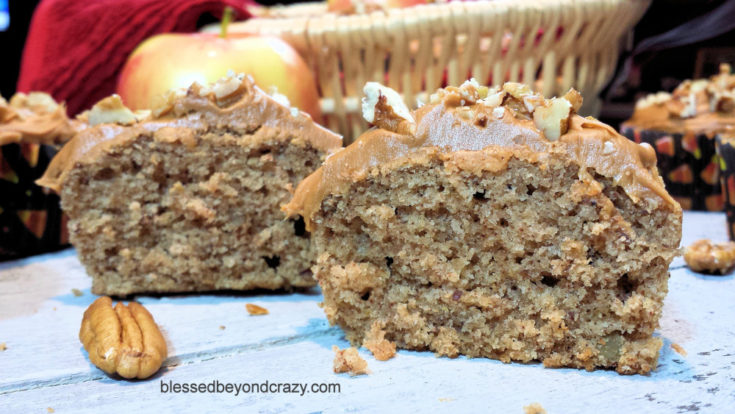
(549, 44)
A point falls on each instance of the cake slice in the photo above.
(188, 198)
(494, 223)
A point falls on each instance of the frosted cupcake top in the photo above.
(35, 118)
(232, 103)
(698, 106)
(473, 117)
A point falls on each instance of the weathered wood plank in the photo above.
(40, 320)
(45, 364)
(418, 380)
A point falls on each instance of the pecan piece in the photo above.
(123, 340)
(384, 107)
(707, 257)
(255, 310)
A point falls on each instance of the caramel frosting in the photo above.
(233, 102)
(471, 118)
(698, 106)
(727, 137)
(35, 118)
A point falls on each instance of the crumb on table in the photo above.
(222, 327)
(76, 292)
(3, 346)
(708, 257)
(534, 408)
(255, 309)
(49, 409)
(348, 360)
(376, 343)
(679, 350)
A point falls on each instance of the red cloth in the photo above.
(75, 49)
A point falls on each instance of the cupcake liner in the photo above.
(31, 220)
(689, 166)
(726, 153)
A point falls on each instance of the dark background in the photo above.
(12, 42)
(649, 71)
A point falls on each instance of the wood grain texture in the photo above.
(44, 364)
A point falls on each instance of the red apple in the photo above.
(169, 61)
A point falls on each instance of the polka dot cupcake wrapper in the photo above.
(688, 164)
(31, 220)
(726, 153)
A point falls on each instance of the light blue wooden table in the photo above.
(45, 366)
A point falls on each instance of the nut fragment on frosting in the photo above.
(517, 90)
(653, 99)
(279, 97)
(226, 86)
(498, 112)
(111, 110)
(373, 92)
(385, 108)
(553, 117)
(222, 92)
(690, 106)
(38, 101)
(494, 98)
(574, 98)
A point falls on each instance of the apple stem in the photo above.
(227, 16)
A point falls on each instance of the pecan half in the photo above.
(123, 340)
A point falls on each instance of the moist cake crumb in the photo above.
(348, 360)
(256, 310)
(376, 343)
(534, 408)
(704, 256)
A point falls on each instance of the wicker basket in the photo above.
(550, 44)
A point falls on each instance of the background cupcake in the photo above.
(726, 153)
(32, 128)
(681, 127)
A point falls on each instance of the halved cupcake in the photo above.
(32, 129)
(188, 198)
(681, 127)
